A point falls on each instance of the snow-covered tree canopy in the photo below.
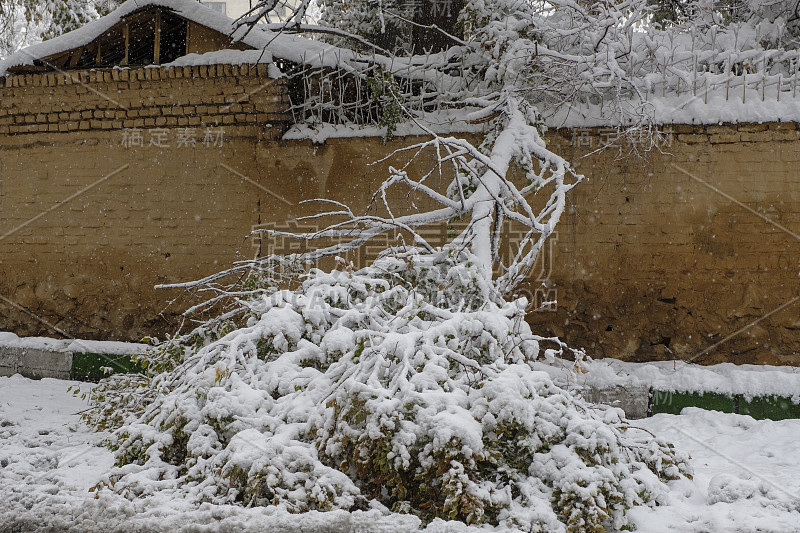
(723, 12)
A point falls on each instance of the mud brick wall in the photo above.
(169, 97)
(122, 180)
(691, 253)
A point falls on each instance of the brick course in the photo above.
(119, 94)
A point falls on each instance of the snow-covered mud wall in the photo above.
(690, 253)
(112, 182)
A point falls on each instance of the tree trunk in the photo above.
(441, 13)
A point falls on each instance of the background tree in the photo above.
(24, 22)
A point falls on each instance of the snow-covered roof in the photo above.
(278, 46)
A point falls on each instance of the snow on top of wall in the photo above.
(679, 376)
(282, 46)
(225, 57)
(10, 340)
(715, 108)
(449, 122)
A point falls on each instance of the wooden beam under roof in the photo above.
(126, 33)
(157, 43)
(75, 57)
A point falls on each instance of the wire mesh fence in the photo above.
(368, 90)
(363, 93)
(762, 74)
(702, 72)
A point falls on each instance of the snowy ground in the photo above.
(747, 478)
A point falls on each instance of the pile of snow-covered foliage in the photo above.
(406, 385)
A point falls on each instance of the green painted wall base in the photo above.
(637, 402)
(89, 366)
(770, 407)
(759, 407)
